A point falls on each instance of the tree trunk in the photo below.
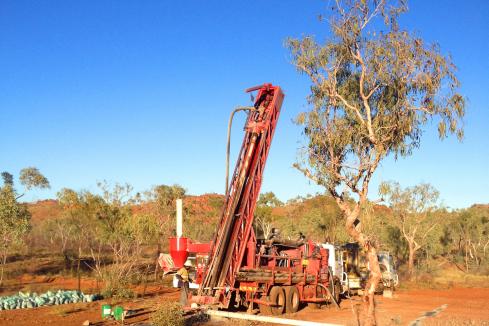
(4, 261)
(412, 254)
(375, 274)
(78, 269)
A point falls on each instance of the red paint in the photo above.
(178, 250)
(199, 248)
(235, 248)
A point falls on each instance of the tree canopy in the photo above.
(14, 216)
(31, 178)
(374, 88)
(415, 212)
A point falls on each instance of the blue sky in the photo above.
(140, 92)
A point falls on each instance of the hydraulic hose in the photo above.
(228, 146)
(330, 294)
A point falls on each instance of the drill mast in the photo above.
(235, 236)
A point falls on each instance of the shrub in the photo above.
(116, 286)
(168, 314)
(118, 292)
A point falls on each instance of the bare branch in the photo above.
(348, 105)
(371, 133)
(376, 11)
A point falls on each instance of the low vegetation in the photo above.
(14, 217)
(440, 237)
(168, 314)
(115, 235)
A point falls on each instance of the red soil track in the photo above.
(464, 307)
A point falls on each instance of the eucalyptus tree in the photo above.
(374, 88)
(161, 201)
(470, 231)
(14, 216)
(416, 212)
(263, 213)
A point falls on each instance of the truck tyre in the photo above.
(277, 299)
(337, 291)
(292, 299)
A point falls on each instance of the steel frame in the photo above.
(235, 230)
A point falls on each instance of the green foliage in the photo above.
(31, 178)
(98, 224)
(141, 229)
(414, 200)
(416, 213)
(393, 241)
(263, 214)
(216, 202)
(115, 286)
(374, 87)
(162, 200)
(168, 314)
(466, 238)
(8, 179)
(268, 199)
(14, 219)
(460, 237)
(319, 218)
(14, 216)
(165, 197)
(80, 217)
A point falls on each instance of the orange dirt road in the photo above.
(463, 307)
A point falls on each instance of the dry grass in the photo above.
(450, 278)
(445, 277)
(168, 314)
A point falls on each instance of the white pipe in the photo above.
(179, 218)
(266, 319)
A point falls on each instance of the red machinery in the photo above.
(181, 248)
(274, 274)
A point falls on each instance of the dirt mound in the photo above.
(44, 209)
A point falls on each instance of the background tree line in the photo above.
(115, 234)
(411, 223)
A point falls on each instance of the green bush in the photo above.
(118, 292)
(116, 286)
(168, 314)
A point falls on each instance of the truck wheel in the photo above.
(277, 299)
(292, 299)
(337, 291)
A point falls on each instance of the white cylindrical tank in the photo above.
(179, 218)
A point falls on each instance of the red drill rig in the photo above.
(276, 275)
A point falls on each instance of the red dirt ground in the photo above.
(464, 307)
(77, 313)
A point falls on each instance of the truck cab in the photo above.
(350, 267)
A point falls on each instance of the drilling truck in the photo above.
(275, 275)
